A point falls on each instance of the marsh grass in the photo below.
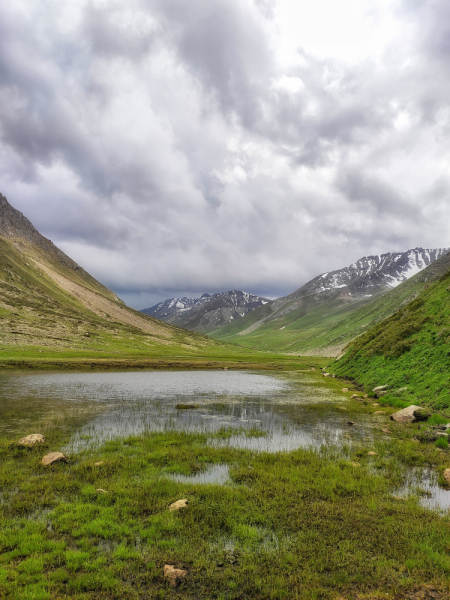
(303, 524)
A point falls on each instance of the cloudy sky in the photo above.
(182, 146)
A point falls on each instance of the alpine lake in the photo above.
(293, 489)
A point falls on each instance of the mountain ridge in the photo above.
(207, 313)
(297, 322)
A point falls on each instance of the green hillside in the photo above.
(325, 325)
(411, 348)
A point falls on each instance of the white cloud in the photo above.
(171, 147)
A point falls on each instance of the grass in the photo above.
(409, 349)
(303, 524)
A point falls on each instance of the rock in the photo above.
(354, 396)
(371, 453)
(401, 390)
(382, 393)
(31, 440)
(441, 434)
(54, 457)
(345, 389)
(375, 404)
(379, 412)
(99, 463)
(333, 375)
(428, 435)
(379, 388)
(386, 431)
(447, 475)
(178, 504)
(326, 374)
(366, 395)
(101, 491)
(174, 575)
(406, 415)
(351, 423)
(312, 369)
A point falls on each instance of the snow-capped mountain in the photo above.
(333, 294)
(208, 312)
(372, 273)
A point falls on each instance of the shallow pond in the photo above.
(262, 412)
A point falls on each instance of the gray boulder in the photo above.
(406, 415)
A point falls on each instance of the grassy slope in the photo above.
(410, 348)
(301, 330)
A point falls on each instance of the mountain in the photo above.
(208, 312)
(313, 319)
(411, 348)
(48, 304)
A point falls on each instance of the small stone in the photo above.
(372, 453)
(178, 504)
(101, 491)
(174, 575)
(355, 464)
(353, 396)
(379, 412)
(54, 457)
(366, 395)
(31, 440)
(441, 434)
(386, 431)
(375, 404)
(326, 374)
(351, 423)
(406, 415)
(312, 369)
(379, 388)
(345, 389)
(99, 463)
(382, 393)
(447, 475)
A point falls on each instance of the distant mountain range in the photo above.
(207, 313)
(312, 319)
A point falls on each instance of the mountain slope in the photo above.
(47, 301)
(411, 348)
(207, 313)
(314, 318)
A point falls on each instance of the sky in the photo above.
(176, 147)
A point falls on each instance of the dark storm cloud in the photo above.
(167, 145)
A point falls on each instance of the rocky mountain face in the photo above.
(373, 273)
(301, 321)
(208, 312)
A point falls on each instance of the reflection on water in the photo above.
(424, 484)
(218, 474)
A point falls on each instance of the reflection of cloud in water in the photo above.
(424, 484)
(280, 431)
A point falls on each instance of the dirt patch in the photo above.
(103, 307)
